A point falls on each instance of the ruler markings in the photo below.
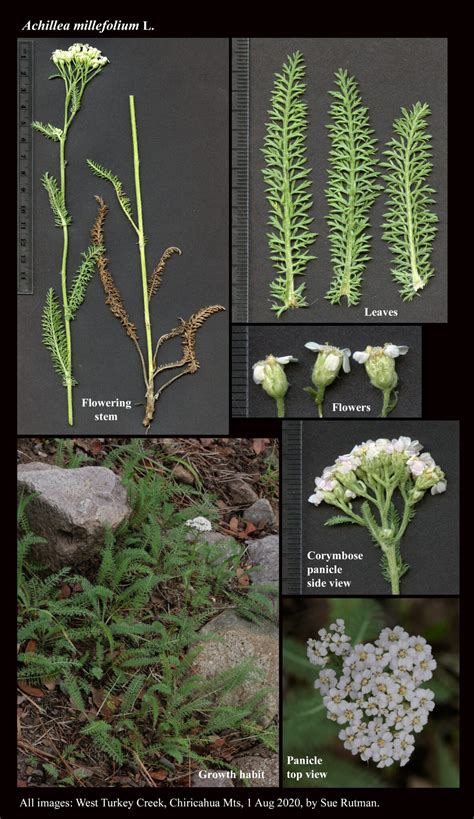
(292, 507)
(240, 177)
(25, 169)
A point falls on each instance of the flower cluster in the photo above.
(372, 472)
(399, 459)
(378, 696)
(79, 54)
(200, 524)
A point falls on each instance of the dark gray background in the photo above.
(392, 72)
(181, 99)
(431, 543)
(353, 387)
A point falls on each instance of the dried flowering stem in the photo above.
(186, 330)
(375, 691)
(372, 472)
(77, 67)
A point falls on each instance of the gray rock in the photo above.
(242, 493)
(265, 555)
(227, 545)
(239, 640)
(260, 513)
(225, 782)
(71, 510)
(263, 771)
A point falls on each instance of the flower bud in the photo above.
(270, 374)
(380, 364)
(328, 363)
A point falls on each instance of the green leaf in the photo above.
(48, 130)
(56, 200)
(410, 224)
(363, 617)
(337, 520)
(54, 335)
(448, 771)
(104, 173)
(352, 189)
(287, 185)
(83, 276)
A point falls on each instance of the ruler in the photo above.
(25, 168)
(240, 178)
(292, 536)
(240, 371)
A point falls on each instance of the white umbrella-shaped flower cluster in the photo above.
(378, 698)
(372, 472)
(79, 54)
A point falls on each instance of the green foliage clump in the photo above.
(133, 631)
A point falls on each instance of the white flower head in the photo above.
(381, 706)
(269, 373)
(200, 524)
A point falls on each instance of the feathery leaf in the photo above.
(104, 173)
(154, 280)
(56, 200)
(286, 176)
(352, 189)
(83, 276)
(48, 130)
(410, 224)
(54, 335)
(114, 297)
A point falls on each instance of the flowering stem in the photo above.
(319, 399)
(66, 314)
(150, 399)
(386, 401)
(280, 402)
(391, 555)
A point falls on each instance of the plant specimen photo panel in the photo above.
(340, 372)
(370, 693)
(379, 505)
(126, 330)
(347, 180)
(148, 612)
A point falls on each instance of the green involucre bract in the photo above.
(286, 176)
(352, 189)
(410, 225)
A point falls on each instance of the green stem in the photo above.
(320, 400)
(280, 402)
(141, 243)
(345, 289)
(417, 281)
(386, 403)
(286, 221)
(391, 555)
(66, 316)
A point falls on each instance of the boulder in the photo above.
(242, 493)
(258, 771)
(260, 513)
(71, 509)
(264, 554)
(237, 641)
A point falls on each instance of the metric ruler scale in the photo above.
(240, 371)
(25, 167)
(240, 177)
(292, 538)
